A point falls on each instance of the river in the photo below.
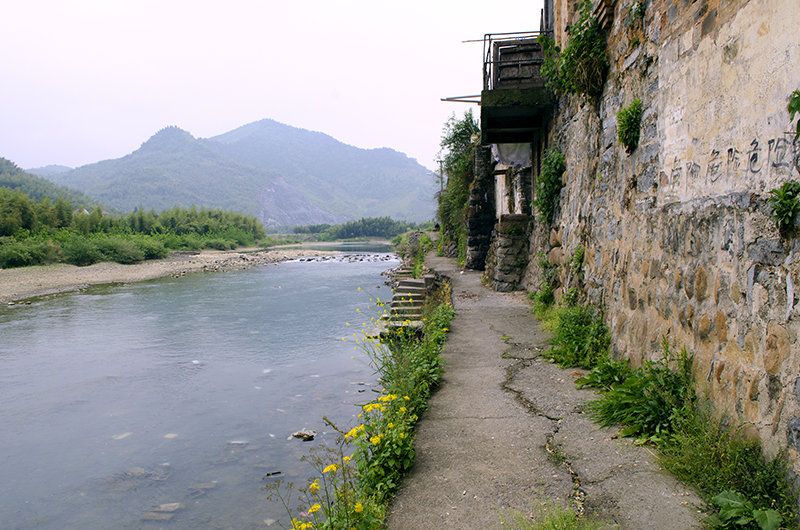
(180, 392)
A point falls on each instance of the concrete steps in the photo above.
(408, 298)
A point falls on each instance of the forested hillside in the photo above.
(281, 174)
(38, 188)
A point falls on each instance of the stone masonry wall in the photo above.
(678, 236)
(508, 255)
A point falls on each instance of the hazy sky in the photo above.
(87, 80)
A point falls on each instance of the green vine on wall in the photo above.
(548, 187)
(629, 121)
(581, 67)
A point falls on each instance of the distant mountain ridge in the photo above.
(282, 174)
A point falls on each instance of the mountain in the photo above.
(341, 178)
(48, 171)
(173, 168)
(37, 188)
(281, 174)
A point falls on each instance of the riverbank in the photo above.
(39, 280)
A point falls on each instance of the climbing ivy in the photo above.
(548, 187)
(581, 67)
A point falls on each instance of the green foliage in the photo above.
(606, 374)
(29, 252)
(713, 456)
(736, 511)
(544, 297)
(412, 247)
(794, 108)
(629, 121)
(580, 338)
(353, 490)
(81, 251)
(785, 202)
(575, 262)
(457, 145)
(550, 516)
(119, 249)
(384, 227)
(650, 400)
(581, 67)
(638, 10)
(457, 157)
(37, 188)
(46, 232)
(548, 187)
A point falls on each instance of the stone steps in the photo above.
(405, 308)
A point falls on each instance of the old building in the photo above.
(678, 236)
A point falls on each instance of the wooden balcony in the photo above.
(515, 104)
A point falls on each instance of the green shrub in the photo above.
(581, 67)
(121, 250)
(81, 251)
(580, 338)
(219, 244)
(151, 248)
(629, 121)
(650, 400)
(548, 186)
(606, 374)
(785, 202)
(714, 457)
(27, 252)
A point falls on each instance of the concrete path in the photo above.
(491, 441)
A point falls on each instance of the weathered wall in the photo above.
(678, 236)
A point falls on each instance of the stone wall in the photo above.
(480, 214)
(678, 237)
(508, 254)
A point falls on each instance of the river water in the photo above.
(119, 399)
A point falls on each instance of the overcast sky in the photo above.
(87, 80)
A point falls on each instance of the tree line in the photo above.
(45, 231)
(384, 227)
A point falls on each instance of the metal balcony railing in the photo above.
(512, 60)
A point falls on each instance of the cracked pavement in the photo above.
(506, 430)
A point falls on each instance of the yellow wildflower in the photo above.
(402, 409)
(402, 435)
(375, 440)
(345, 459)
(314, 486)
(314, 508)
(359, 508)
(406, 398)
(391, 425)
(332, 467)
